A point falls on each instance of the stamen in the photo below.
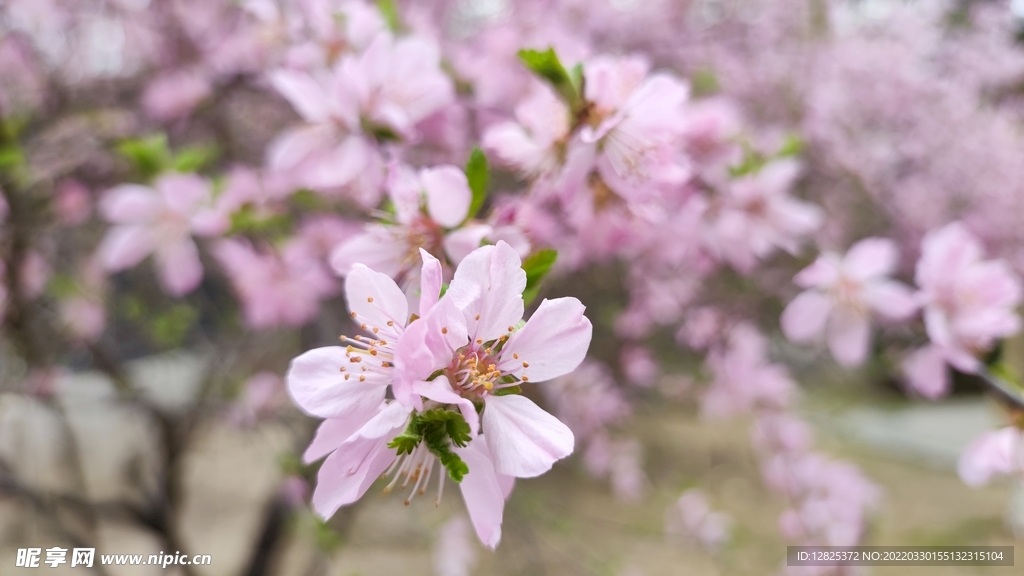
(370, 299)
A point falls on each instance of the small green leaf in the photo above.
(478, 174)
(389, 12)
(62, 286)
(169, 328)
(508, 391)
(792, 146)
(703, 83)
(195, 158)
(246, 221)
(149, 154)
(547, 65)
(537, 266)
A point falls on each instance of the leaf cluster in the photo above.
(439, 429)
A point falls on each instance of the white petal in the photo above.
(525, 440)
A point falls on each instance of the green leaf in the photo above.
(11, 156)
(246, 221)
(149, 154)
(389, 12)
(62, 286)
(508, 391)
(195, 158)
(703, 83)
(478, 174)
(792, 146)
(537, 266)
(169, 328)
(547, 65)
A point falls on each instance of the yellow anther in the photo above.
(362, 378)
(343, 338)
(479, 341)
(488, 386)
(370, 299)
(352, 314)
(391, 322)
(374, 353)
(510, 328)
(346, 376)
(375, 330)
(516, 356)
(525, 378)
(526, 364)
(444, 330)
(362, 326)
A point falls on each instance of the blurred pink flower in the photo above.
(262, 395)
(743, 378)
(534, 143)
(72, 202)
(160, 221)
(969, 303)
(175, 94)
(842, 292)
(691, 516)
(282, 287)
(995, 453)
(758, 216)
(454, 553)
(639, 365)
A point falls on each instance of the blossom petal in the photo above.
(302, 92)
(926, 372)
(525, 440)
(552, 343)
(179, 267)
(319, 388)
(332, 433)
(130, 203)
(870, 258)
(849, 336)
(377, 248)
(448, 194)
(482, 491)
(350, 471)
(804, 318)
(989, 455)
(440, 390)
(488, 286)
(461, 242)
(430, 282)
(125, 246)
(376, 301)
(890, 299)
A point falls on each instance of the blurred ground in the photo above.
(561, 524)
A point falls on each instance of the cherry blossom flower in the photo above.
(430, 205)
(160, 221)
(743, 378)
(471, 337)
(758, 216)
(175, 94)
(276, 288)
(535, 143)
(691, 516)
(635, 118)
(454, 553)
(842, 293)
(996, 453)
(969, 303)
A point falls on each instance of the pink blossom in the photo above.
(743, 378)
(636, 118)
(72, 202)
(282, 287)
(968, 302)
(758, 216)
(639, 365)
(262, 395)
(175, 94)
(159, 221)
(471, 335)
(430, 208)
(454, 553)
(996, 453)
(691, 516)
(534, 143)
(842, 293)
(588, 400)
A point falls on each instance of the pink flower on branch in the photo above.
(161, 221)
(462, 354)
(969, 304)
(842, 294)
